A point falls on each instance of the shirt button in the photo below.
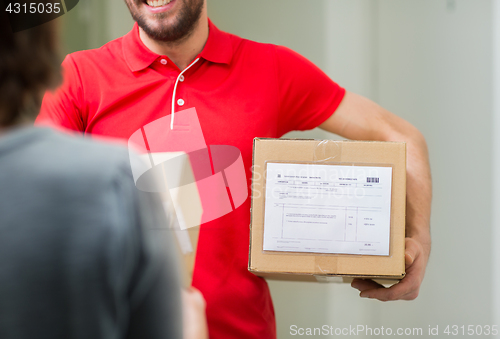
(180, 102)
(181, 78)
(163, 61)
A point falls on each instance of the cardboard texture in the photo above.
(328, 267)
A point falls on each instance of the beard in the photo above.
(173, 30)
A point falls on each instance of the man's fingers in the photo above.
(408, 287)
(397, 291)
(404, 290)
(194, 314)
(363, 285)
(409, 258)
(194, 297)
(411, 251)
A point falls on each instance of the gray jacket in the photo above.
(83, 253)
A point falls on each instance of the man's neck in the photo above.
(182, 53)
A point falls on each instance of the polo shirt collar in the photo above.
(137, 55)
(217, 49)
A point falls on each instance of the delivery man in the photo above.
(175, 58)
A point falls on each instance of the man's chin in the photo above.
(160, 30)
(172, 25)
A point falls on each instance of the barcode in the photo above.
(372, 180)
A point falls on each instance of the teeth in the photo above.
(158, 3)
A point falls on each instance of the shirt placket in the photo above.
(177, 100)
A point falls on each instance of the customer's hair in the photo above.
(29, 65)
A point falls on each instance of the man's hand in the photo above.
(416, 258)
(358, 118)
(194, 317)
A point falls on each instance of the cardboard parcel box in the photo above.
(325, 210)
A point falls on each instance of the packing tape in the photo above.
(326, 264)
(328, 150)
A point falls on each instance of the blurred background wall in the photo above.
(432, 62)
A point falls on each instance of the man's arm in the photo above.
(63, 107)
(358, 118)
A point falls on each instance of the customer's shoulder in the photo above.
(84, 159)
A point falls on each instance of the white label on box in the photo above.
(327, 209)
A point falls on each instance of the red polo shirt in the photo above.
(241, 89)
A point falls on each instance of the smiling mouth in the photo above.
(157, 3)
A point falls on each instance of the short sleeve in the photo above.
(63, 106)
(308, 97)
